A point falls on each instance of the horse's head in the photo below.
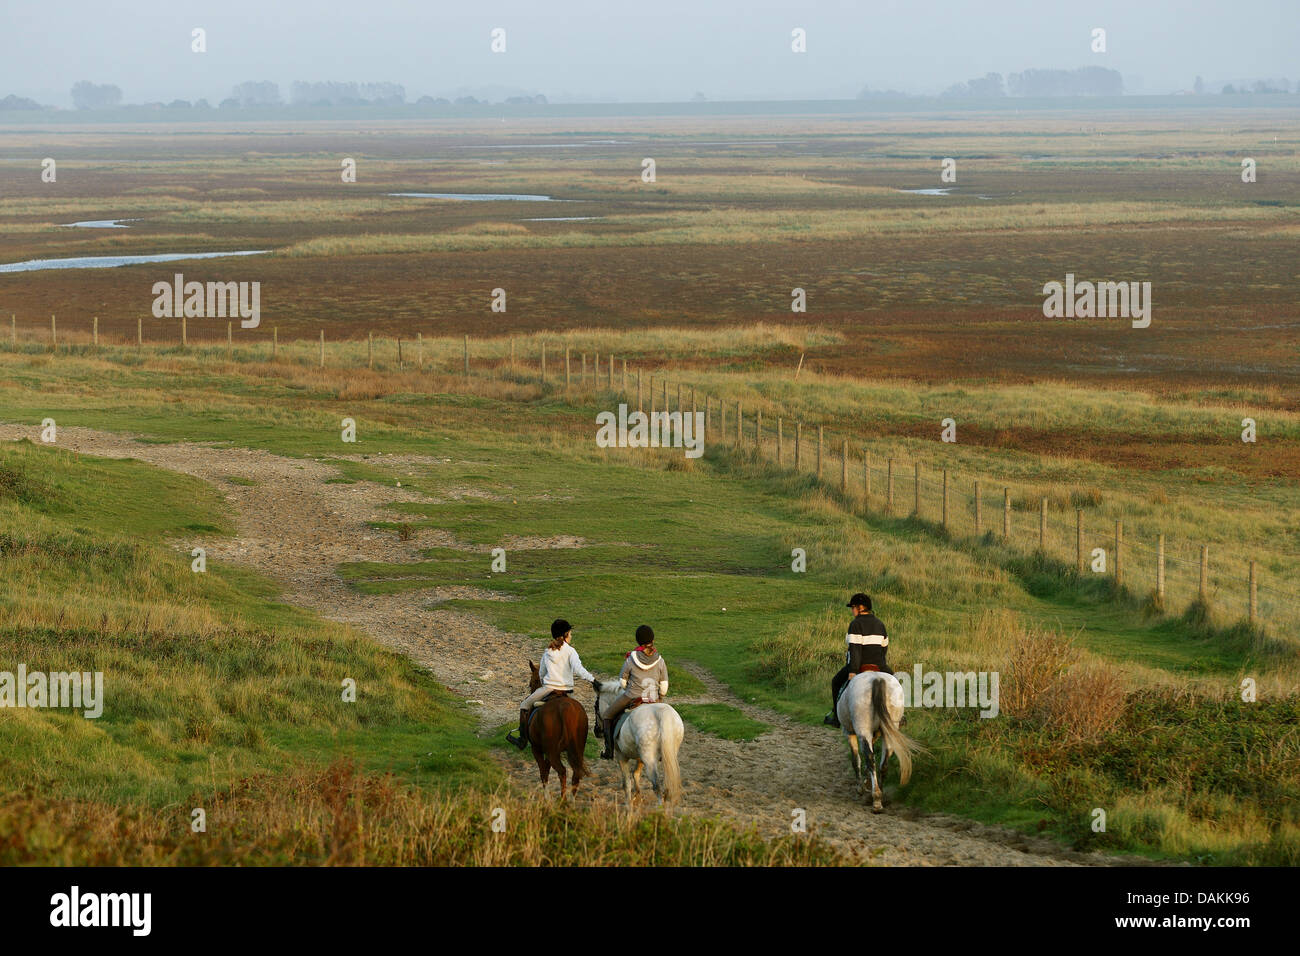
(535, 677)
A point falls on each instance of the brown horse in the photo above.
(558, 726)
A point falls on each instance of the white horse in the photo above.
(871, 707)
(648, 740)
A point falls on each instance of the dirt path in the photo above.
(295, 527)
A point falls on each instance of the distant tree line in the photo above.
(12, 102)
(347, 94)
(1085, 81)
(1281, 85)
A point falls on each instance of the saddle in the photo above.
(553, 695)
(868, 667)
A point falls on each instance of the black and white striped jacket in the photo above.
(867, 642)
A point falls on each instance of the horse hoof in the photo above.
(878, 808)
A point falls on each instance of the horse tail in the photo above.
(670, 739)
(895, 739)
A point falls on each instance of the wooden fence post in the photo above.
(758, 432)
(665, 397)
(694, 407)
(740, 430)
(94, 335)
(275, 341)
(844, 464)
(595, 368)
(401, 366)
(322, 348)
(567, 376)
(1205, 575)
(778, 439)
(512, 352)
(979, 513)
(889, 487)
(820, 430)
(625, 378)
(185, 338)
(230, 340)
(543, 363)
(1078, 541)
(640, 402)
(419, 353)
(1042, 526)
(945, 499)
(798, 444)
(1006, 514)
(467, 356)
(13, 329)
(139, 333)
(916, 489)
(722, 419)
(866, 477)
(582, 379)
(54, 333)
(370, 349)
(1253, 606)
(1119, 558)
(1160, 569)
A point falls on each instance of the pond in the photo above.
(111, 262)
(480, 197)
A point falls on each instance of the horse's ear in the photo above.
(532, 667)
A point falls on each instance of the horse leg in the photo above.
(876, 805)
(543, 766)
(651, 767)
(625, 768)
(857, 760)
(636, 779)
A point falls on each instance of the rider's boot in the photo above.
(520, 741)
(831, 720)
(608, 752)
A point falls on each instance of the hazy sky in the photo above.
(620, 49)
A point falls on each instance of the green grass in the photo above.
(207, 676)
(721, 720)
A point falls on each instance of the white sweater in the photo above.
(559, 667)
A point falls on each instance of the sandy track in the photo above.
(295, 528)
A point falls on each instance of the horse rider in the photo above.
(868, 644)
(644, 679)
(560, 663)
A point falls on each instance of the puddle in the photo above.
(111, 262)
(101, 224)
(480, 197)
(939, 191)
(587, 145)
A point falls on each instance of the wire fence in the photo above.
(1224, 579)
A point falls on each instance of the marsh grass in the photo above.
(340, 815)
